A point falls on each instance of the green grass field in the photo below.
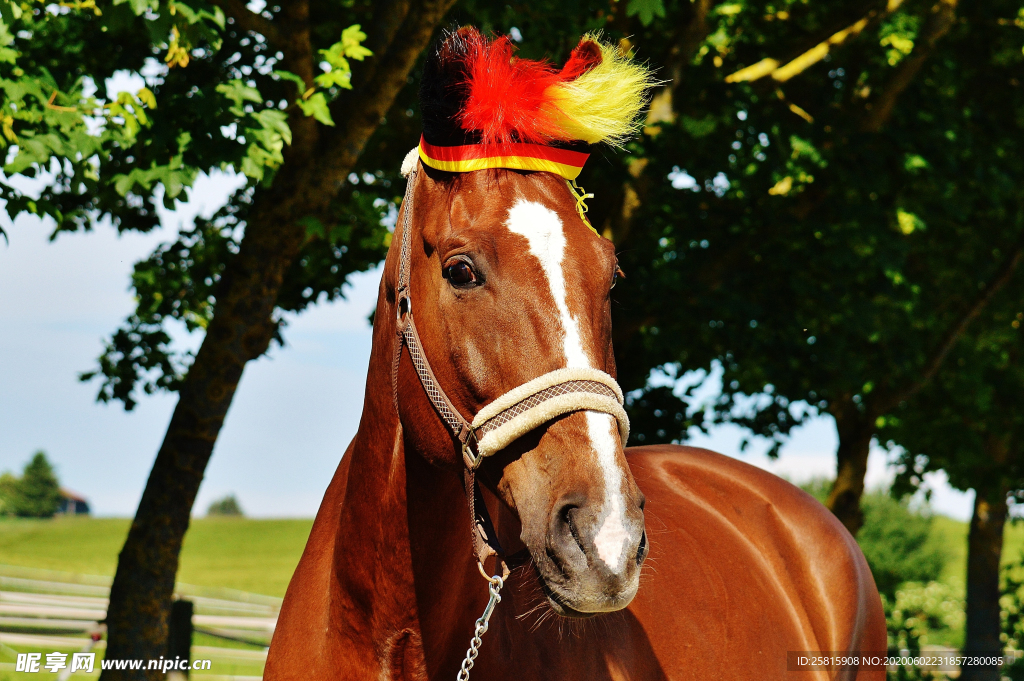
(239, 553)
(260, 555)
(257, 556)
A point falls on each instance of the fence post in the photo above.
(179, 639)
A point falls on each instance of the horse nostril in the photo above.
(567, 516)
(641, 551)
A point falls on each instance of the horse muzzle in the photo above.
(592, 554)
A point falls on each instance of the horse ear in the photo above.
(443, 90)
(584, 57)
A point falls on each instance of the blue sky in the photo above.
(295, 410)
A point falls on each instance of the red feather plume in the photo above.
(506, 96)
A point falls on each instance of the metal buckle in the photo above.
(469, 457)
(403, 308)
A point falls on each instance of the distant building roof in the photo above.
(74, 496)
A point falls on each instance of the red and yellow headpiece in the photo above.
(485, 108)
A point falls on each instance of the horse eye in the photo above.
(615, 276)
(459, 273)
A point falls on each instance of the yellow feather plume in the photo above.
(603, 104)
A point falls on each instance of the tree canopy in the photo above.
(827, 205)
(225, 506)
(824, 205)
(35, 494)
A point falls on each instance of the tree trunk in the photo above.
(855, 433)
(984, 549)
(241, 330)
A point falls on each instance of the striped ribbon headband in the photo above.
(516, 156)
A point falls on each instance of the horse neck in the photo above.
(403, 551)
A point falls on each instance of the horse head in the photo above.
(510, 284)
(510, 288)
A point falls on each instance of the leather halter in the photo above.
(507, 418)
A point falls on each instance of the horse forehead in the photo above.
(563, 250)
(541, 226)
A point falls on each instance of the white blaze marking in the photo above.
(543, 231)
(611, 538)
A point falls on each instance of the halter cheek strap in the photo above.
(507, 418)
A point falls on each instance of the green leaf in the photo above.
(700, 127)
(217, 17)
(337, 56)
(335, 78)
(140, 6)
(122, 184)
(314, 227)
(238, 92)
(646, 10)
(351, 38)
(275, 122)
(252, 168)
(147, 97)
(914, 162)
(908, 222)
(316, 106)
(289, 76)
(10, 11)
(191, 16)
(7, 54)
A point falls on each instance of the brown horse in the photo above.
(736, 567)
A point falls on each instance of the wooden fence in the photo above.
(49, 611)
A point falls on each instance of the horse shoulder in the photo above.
(745, 564)
(304, 621)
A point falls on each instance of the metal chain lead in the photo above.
(494, 586)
